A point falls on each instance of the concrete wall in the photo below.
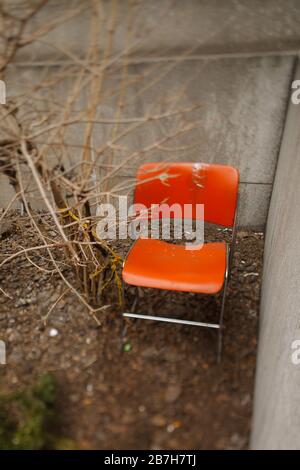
(276, 423)
(232, 65)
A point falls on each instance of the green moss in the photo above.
(28, 419)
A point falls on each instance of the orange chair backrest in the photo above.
(215, 186)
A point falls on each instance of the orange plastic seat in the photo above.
(155, 263)
(158, 264)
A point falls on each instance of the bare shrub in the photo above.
(73, 130)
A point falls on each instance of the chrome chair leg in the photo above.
(220, 332)
(135, 300)
(132, 308)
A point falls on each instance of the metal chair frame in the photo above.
(216, 326)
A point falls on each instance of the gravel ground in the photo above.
(165, 390)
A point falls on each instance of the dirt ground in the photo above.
(164, 389)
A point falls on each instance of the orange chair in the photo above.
(202, 269)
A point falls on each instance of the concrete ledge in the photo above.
(276, 423)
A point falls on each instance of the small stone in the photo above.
(53, 332)
(173, 426)
(252, 313)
